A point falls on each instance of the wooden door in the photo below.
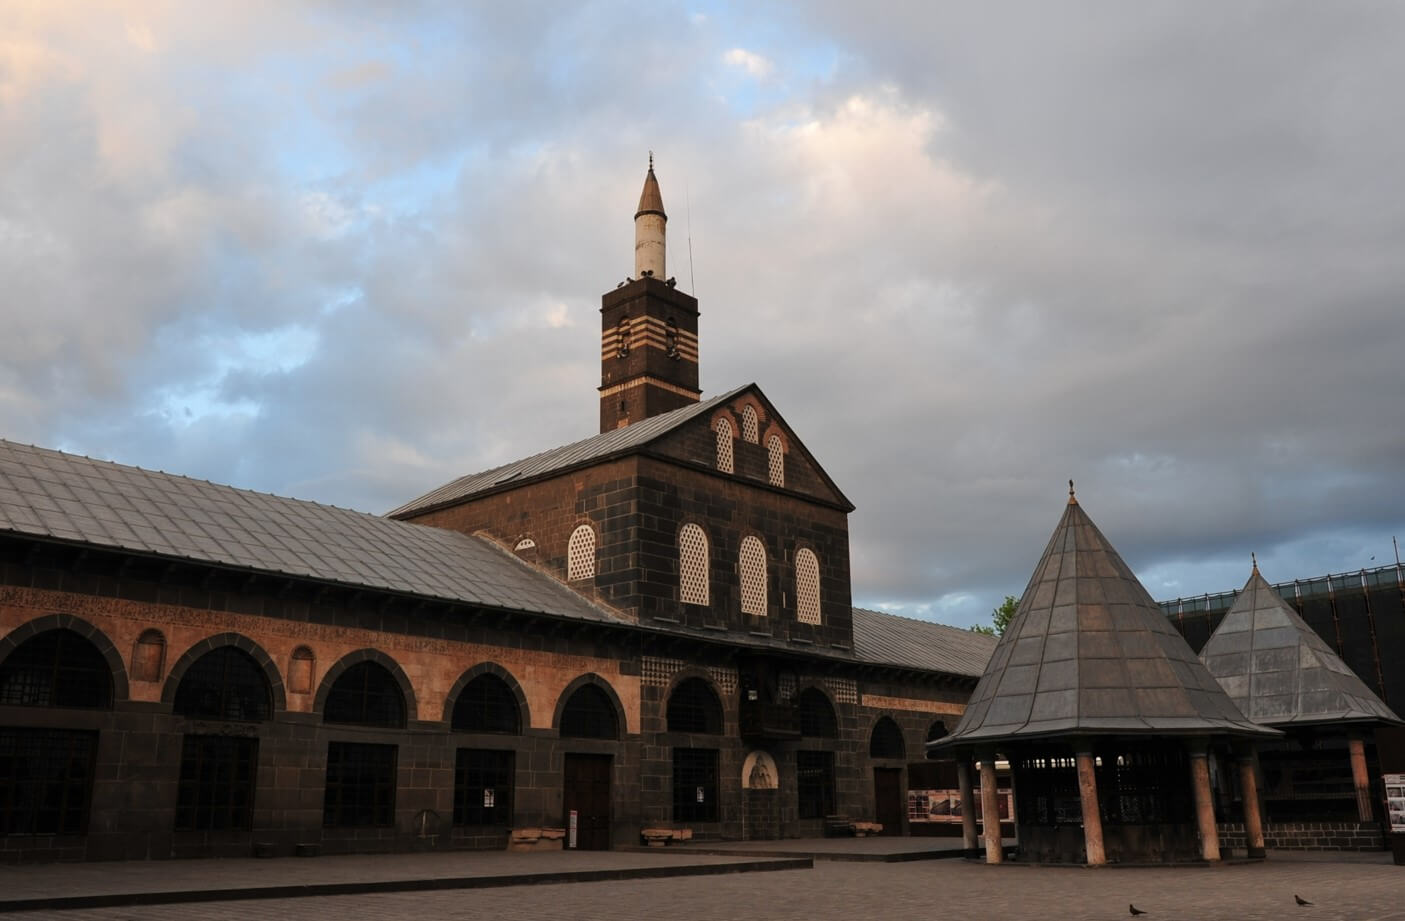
(890, 801)
(587, 792)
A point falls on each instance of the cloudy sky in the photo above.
(348, 251)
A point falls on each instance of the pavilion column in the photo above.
(1253, 819)
(990, 810)
(968, 807)
(1092, 814)
(1356, 745)
(1204, 805)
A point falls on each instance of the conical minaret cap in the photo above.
(650, 199)
(1279, 671)
(1089, 653)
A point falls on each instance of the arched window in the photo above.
(487, 704)
(750, 433)
(807, 587)
(589, 714)
(724, 445)
(775, 460)
(224, 684)
(57, 668)
(580, 554)
(366, 694)
(753, 572)
(817, 719)
(934, 732)
(886, 740)
(692, 565)
(694, 707)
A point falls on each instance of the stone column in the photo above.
(1204, 805)
(1356, 745)
(990, 810)
(1253, 820)
(1092, 813)
(968, 807)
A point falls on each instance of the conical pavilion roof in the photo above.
(1279, 671)
(650, 199)
(1089, 652)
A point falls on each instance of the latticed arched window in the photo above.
(57, 668)
(580, 554)
(817, 719)
(775, 461)
(753, 571)
(694, 707)
(724, 445)
(750, 433)
(589, 714)
(224, 684)
(886, 740)
(487, 704)
(807, 587)
(366, 694)
(692, 565)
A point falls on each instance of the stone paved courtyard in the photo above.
(1344, 888)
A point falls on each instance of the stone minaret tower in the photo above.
(648, 329)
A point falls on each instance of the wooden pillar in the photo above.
(990, 810)
(1092, 814)
(969, 837)
(1204, 805)
(1253, 819)
(1357, 747)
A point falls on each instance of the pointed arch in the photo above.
(100, 641)
(886, 740)
(278, 699)
(817, 717)
(589, 708)
(486, 698)
(356, 659)
(695, 707)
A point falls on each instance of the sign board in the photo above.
(571, 835)
(1395, 801)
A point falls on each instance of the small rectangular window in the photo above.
(695, 785)
(46, 781)
(483, 782)
(814, 779)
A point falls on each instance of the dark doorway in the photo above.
(889, 799)
(587, 792)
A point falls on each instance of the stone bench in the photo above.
(535, 838)
(660, 837)
(838, 826)
(864, 829)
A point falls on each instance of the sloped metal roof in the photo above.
(889, 639)
(589, 450)
(1279, 671)
(51, 494)
(1089, 652)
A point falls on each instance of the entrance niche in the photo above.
(761, 814)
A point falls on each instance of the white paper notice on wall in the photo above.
(488, 798)
(1395, 800)
(700, 794)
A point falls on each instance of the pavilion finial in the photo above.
(1255, 560)
(651, 159)
(1072, 499)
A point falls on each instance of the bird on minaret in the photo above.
(649, 224)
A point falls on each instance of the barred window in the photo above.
(694, 707)
(817, 719)
(46, 781)
(360, 789)
(487, 704)
(580, 554)
(807, 587)
(749, 426)
(366, 694)
(692, 565)
(483, 783)
(57, 668)
(753, 572)
(216, 789)
(224, 684)
(886, 741)
(775, 460)
(695, 785)
(724, 445)
(589, 714)
(814, 783)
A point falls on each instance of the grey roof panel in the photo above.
(893, 640)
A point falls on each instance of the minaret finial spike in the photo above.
(1072, 500)
(1255, 560)
(651, 159)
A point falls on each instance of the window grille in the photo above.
(216, 789)
(589, 714)
(693, 707)
(753, 572)
(817, 719)
(724, 445)
(886, 740)
(692, 565)
(487, 704)
(483, 786)
(46, 781)
(775, 461)
(807, 587)
(695, 785)
(814, 782)
(580, 554)
(749, 426)
(360, 789)
(58, 668)
(366, 694)
(224, 684)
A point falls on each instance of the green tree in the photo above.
(1000, 617)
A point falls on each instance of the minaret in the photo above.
(648, 328)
